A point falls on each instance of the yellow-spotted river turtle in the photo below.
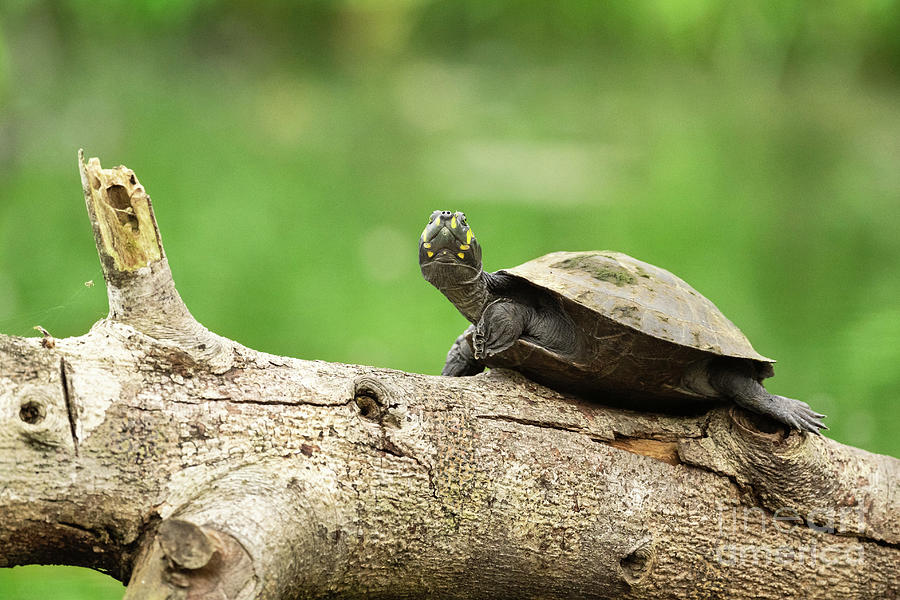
(597, 322)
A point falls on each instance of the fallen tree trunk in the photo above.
(193, 467)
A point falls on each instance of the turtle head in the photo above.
(449, 254)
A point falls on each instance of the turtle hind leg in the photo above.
(740, 386)
(460, 360)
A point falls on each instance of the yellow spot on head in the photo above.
(460, 254)
(423, 233)
(426, 245)
(464, 247)
(430, 254)
(469, 235)
(453, 222)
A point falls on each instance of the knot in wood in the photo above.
(39, 418)
(373, 398)
(32, 411)
(637, 563)
(185, 544)
(753, 425)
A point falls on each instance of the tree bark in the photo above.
(193, 467)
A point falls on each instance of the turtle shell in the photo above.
(644, 330)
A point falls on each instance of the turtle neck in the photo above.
(468, 294)
(469, 297)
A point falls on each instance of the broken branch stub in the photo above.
(139, 282)
(187, 561)
(125, 228)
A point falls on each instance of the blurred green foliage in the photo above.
(295, 150)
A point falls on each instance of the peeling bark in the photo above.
(193, 467)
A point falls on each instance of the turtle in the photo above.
(598, 324)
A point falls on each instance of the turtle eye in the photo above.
(433, 216)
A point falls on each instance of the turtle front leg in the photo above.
(500, 325)
(460, 360)
(741, 387)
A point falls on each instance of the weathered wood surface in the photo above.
(194, 467)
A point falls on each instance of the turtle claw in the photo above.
(486, 347)
(796, 414)
(460, 360)
(478, 343)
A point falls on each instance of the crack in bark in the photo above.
(662, 447)
(80, 528)
(386, 445)
(203, 399)
(418, 461)
(69, 398)
(533, 423)
(662, 450)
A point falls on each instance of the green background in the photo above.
(295, 150)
